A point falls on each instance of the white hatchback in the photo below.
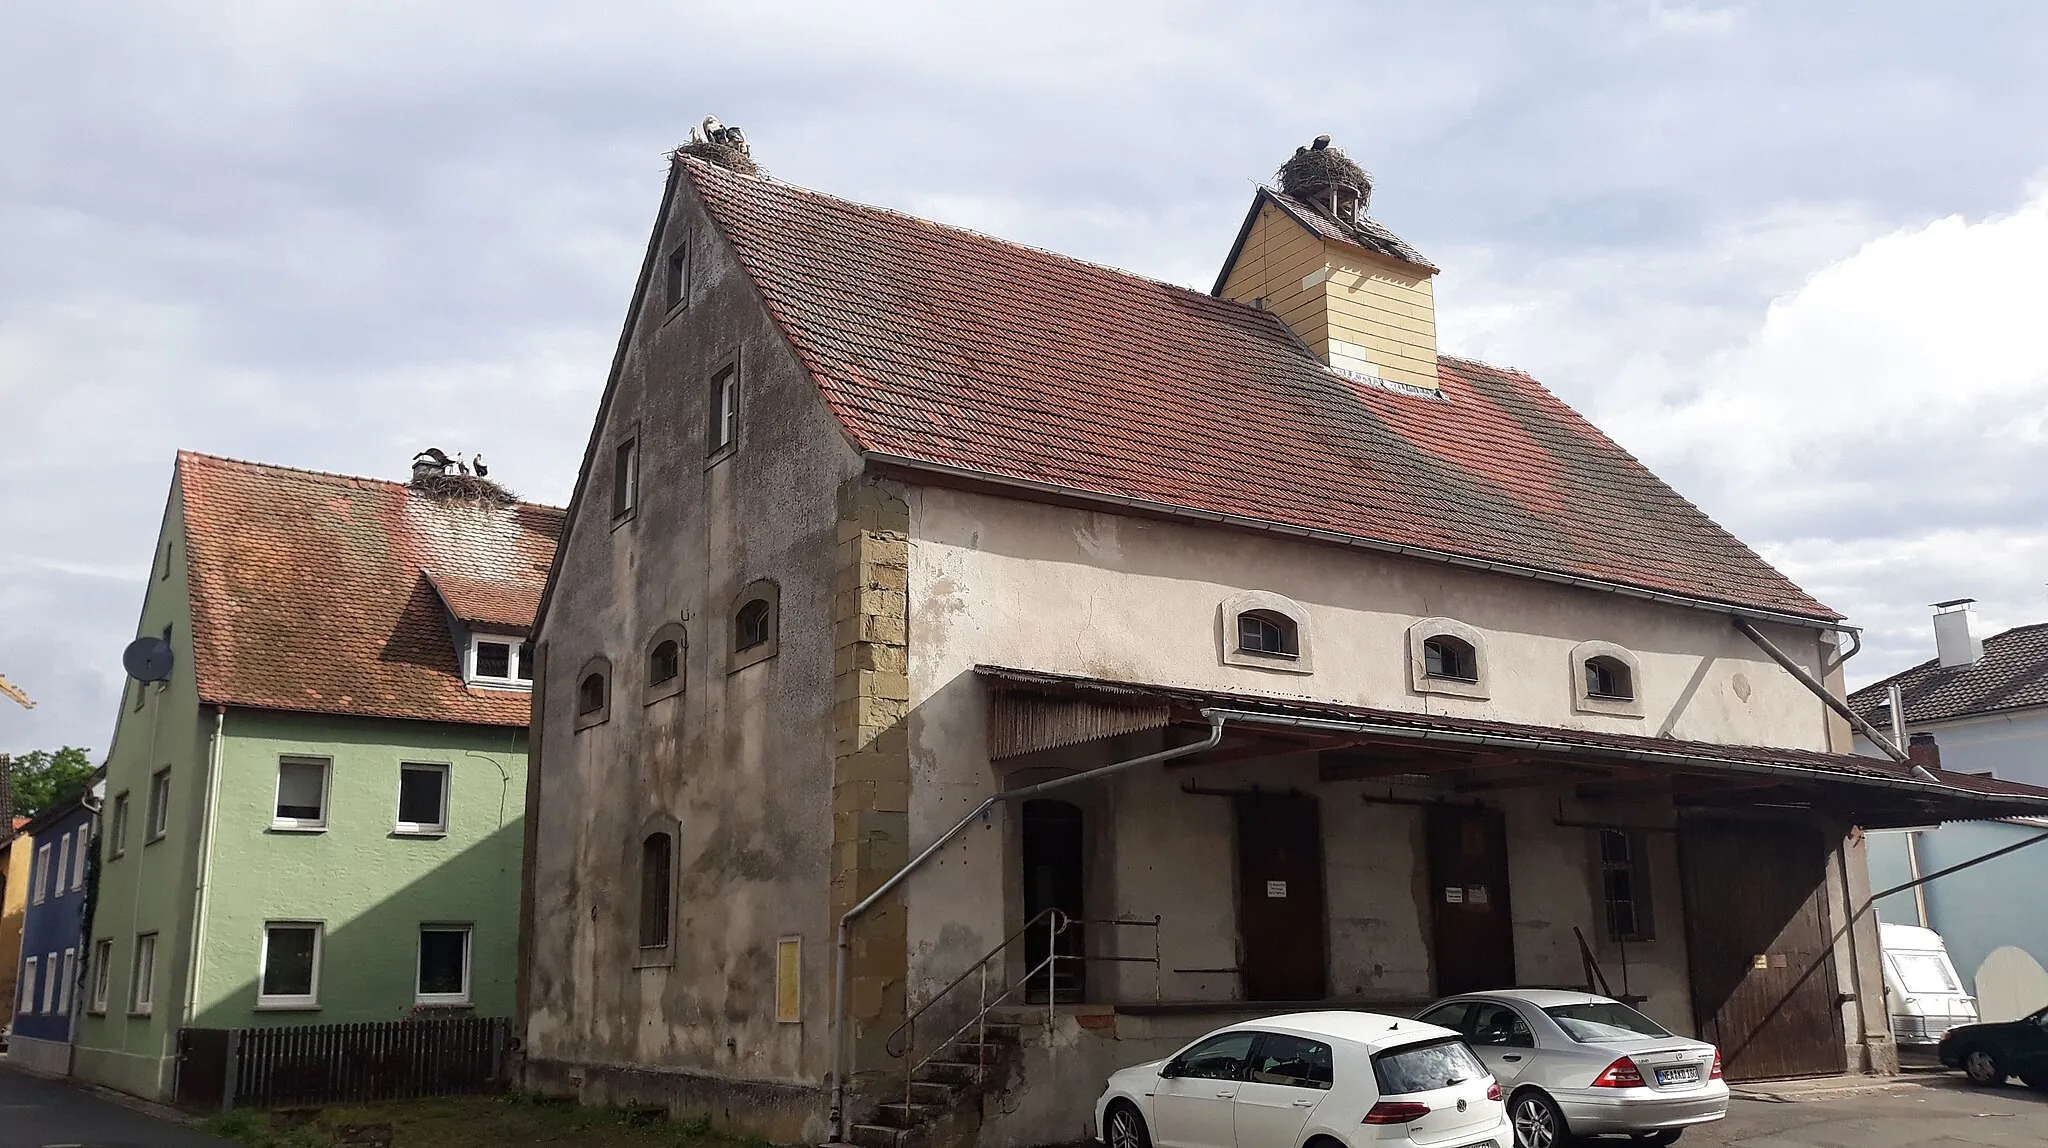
(1345, 1079)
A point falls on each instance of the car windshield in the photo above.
(1924, 973)
(1603, 1022)
(1426, 1067)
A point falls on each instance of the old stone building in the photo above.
(1422, 683)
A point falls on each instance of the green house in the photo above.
(316, 816)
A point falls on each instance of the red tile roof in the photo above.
(310, 592)
(506, 606)
(949, 348)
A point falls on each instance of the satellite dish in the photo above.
(147, 659)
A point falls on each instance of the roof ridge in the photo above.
(1935, 661)
(307, 472)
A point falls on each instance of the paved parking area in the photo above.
(36, 1112)
(1919, 1111)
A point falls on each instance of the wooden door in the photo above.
(1473, 918)
(1756, 927)
(1280, 911)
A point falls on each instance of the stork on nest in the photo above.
(1327, 179)
(440, 475)
(713, 142)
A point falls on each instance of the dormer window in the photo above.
(500, 662)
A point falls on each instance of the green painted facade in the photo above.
(369, 886)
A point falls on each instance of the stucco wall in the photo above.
(52, 926)
(740, 761)
(17, 859)
(371, 888)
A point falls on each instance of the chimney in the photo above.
(1923, 752)
(1955, 633)
(1358, 296)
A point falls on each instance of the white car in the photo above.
(1343, 1079)
(1574, 1064)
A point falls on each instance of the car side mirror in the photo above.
(1170, 1070)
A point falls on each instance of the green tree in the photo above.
(43, 777)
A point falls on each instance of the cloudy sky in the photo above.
(1789, 253)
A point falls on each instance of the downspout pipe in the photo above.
(1834, 703)
(205, 863)
(840, 1026)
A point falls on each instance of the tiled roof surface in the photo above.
(309, 590)
(951, 348)
(1368, 233)
(1847, 767)
(2013, 674)
(507, 606)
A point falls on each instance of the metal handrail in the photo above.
(889, 1045)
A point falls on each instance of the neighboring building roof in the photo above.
(2013, 674)
(947, 351)
(310, 592)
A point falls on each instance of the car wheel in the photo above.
(1983, 1068)
(1538, 1123)
(1124, 1128)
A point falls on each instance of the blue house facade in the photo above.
(53, 957)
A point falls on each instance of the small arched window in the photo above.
(755, 624)
(1269, 633)
(751, 626)
(1609, 678)
(665, 651)
(664, 662)
(1450, 658)
(590, 695)
(594, 693)
(656, 863)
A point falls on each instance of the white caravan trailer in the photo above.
(1921, 989)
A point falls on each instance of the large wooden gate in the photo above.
(1280, 911)
(1763, 969)
(1472, 922)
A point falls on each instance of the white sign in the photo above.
(1276, 888)
(1476, 894)
(1454, 895)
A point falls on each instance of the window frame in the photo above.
(1641, 881)
(117, 844)
(1308, 1084)
(279, 822)
(142, 977)
(78, 856)
(1175, 1068)
(158, 826)
(38, 874)
(1422, 681)
(102, 976)
(676, 286)
(443, 1000)
(663, 955)
(70, 980)
(1584, 700)
(626, 477)
(25, 996)
(403, 828)
(1230, 635)
(724, 399)
(53, 976)
(518, 657)
(602, 667)
(291, 1002)
(652, 691)
(657, 890)
(761, 590)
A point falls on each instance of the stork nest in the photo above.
(1308, 175)
(724, 155)
(462, 488)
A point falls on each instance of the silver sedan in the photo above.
(1574, 1064)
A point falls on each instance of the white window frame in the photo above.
(293, 1001)
(725, 407)
(78, 856)
(419, 952)
(52, 974)
(38, 874)
(422, 828)
(102, 974)
(70, 976)
(57, 878)
(515, 662)
(117, 844)
(142, 978)
(26, 1006)
(159, 813)
(302, 824)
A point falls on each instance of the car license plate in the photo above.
(1690, 1074)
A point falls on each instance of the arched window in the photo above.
(664, 662)
(590, 695)
(1452, 658)
(665, 650)
(656, 862)
(755, 624)
(594, 693)
(751, 626)
(1267, 632)
(1609, 678)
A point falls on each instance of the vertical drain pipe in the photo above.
(840, 1026)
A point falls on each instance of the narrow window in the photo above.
(678, 285)
(78, 857)
(166, 575)
(63, 866)
(664, 662)
(1268, 633)
(159, 805)
(1608, 678)
(39, 876)
(590, 695)
(53, 979)
(102, 973)
(443, 965)
(1447, 657)
(625, 478)
(70, 978)
(142, 983)
(1625, 885)
(655, 860)
(118, 843)
(422, 799)
(290, 976)
(301, 793)
(725, 408)
(751, 626)
(27, 1004)
(526, 662)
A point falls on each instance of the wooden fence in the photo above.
(340, 1063)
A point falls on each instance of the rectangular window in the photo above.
(301, 793)
(625, 478)
(102, 972)
(78, 857)
(422, 798)
(58, 875)
(26, 1006)
(53, 976)
(444, 965)
(1625, 885)
(70, 977)
(142, 982)
(159, 805)
(38, 875)
(677, 289)
(117, 839)
(725, 408)
(289, 976)
(500, 660)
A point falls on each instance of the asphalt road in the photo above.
(1941, 1110)
(36, 1112)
